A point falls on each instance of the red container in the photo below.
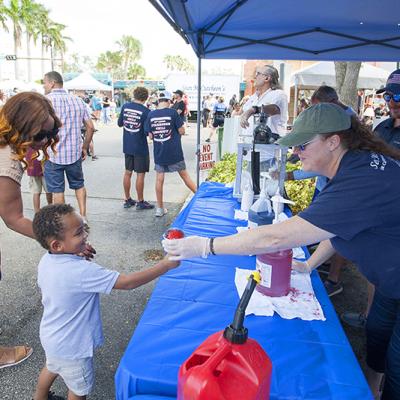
(275, 270)
(221, 370)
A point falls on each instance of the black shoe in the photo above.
(53, 396)
(129, 203)
(144, 205)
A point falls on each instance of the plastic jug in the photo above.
(247, 198)
(260, 212)
(228, 365)
(275, 270)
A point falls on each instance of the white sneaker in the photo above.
(160, 212)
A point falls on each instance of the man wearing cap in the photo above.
(389, 129)
(268, 98)
(179, 104)
(165, 127)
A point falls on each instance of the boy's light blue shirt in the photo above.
(71, 325)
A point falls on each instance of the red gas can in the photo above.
(228, 365)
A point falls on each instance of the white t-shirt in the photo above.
(277, 123)
(71, 323)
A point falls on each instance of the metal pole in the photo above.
(198, 119)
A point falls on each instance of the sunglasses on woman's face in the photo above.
(44, 134)
(303, 146)
(395, 97)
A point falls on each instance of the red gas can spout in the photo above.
(236, 333)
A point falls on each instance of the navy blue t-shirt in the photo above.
(132, 118)
(163, 124)
(361, 206)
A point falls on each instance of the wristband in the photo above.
(256, 109)
(212, 247)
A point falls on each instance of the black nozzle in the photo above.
(236, 333)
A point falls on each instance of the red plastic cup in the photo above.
(174, 233)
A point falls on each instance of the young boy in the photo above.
(165, 127)
(36, 179)
(71, 327)
(132, 118)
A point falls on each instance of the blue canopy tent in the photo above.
(340, 30)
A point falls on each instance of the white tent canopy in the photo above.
(85, 81)
(323, 73)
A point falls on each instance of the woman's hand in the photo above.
(189, 247)
(301, 266)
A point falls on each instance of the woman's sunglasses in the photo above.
(303, 146)
(395, 97)
(44, 134)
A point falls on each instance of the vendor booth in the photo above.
(85, 81)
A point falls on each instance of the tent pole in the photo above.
(295, 99)
(198, 119)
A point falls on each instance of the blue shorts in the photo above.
(54, 176)
(78, 374)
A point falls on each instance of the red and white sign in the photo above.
(208, 156)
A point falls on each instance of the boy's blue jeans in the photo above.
(383, 342)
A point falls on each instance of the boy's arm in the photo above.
(136, 279)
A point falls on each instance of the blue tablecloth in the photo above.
(311, 359)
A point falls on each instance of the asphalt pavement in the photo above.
(125, 239)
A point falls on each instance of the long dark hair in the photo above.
(22, 117)
(360, 137)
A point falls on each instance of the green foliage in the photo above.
(224, 171)
(178, 63)
(301, 192)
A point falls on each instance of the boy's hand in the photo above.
(169, 264)
(88, 253)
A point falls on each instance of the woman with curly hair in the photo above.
(26, 120)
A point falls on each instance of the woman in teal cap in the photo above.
(356, 214)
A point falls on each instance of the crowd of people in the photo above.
(353, 217)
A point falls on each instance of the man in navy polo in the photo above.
(132, 118)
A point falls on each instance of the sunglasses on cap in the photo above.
(43, 134)
(387, 97)
(303, 146)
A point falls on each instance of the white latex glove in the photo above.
(188, 247)
(301, 266)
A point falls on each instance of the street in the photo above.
(125, 240)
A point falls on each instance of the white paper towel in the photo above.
(299, 303)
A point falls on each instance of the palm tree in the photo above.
(110, 62)
(15, 13)
(136, 71)
(57, 41)
(3, 16)
(43, 23)
(178, 63)
(31, 11)
(131, 49)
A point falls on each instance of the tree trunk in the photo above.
(346, 82)
(42, 61)
(16, 71)
(28, 54)
(52, 56)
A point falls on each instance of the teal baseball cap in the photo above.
(316, 120)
